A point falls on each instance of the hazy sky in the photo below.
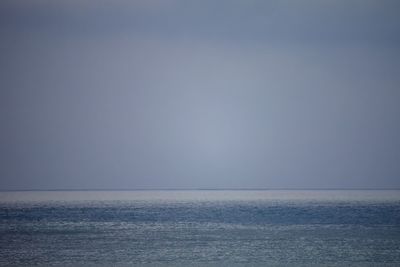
(199, 94)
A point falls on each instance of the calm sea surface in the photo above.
(200, 228)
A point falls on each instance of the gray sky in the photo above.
(199, 94)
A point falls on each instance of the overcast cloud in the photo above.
(199, 94)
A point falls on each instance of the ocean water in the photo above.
(200, 228)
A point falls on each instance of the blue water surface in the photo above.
(200, 228)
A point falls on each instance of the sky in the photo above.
(157, 94)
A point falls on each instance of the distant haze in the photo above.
(199, 94)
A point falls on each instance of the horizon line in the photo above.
(197, 189)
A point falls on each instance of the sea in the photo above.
(200, 228)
